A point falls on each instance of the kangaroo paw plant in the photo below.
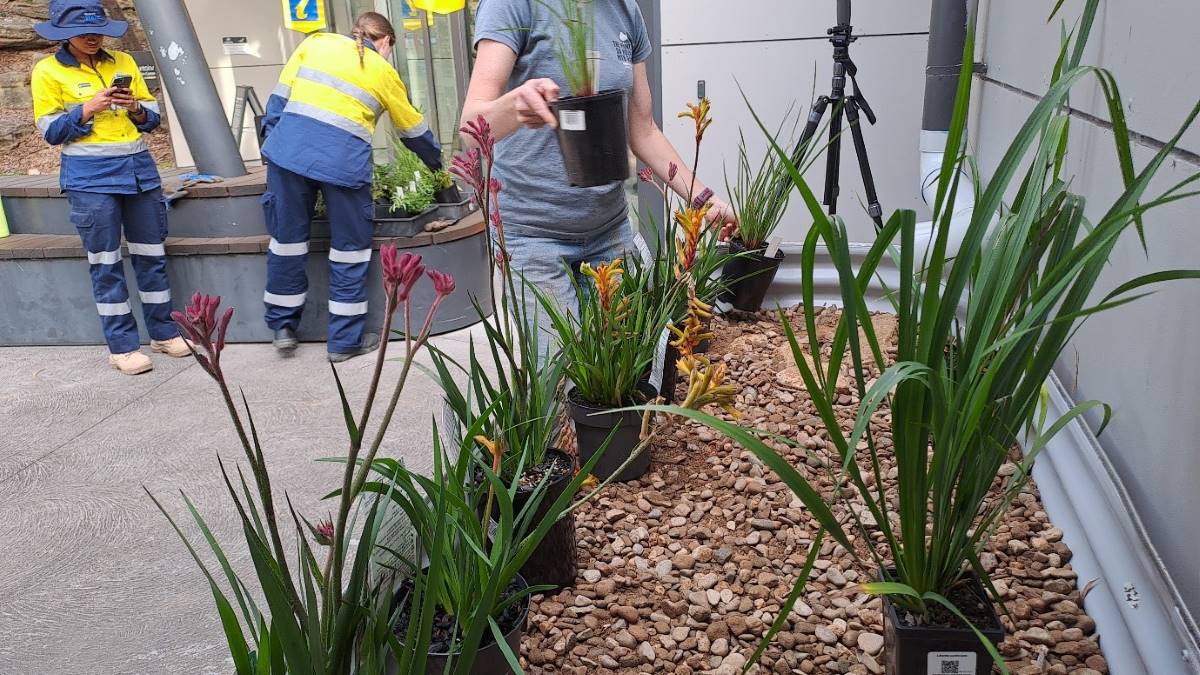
(322, 612)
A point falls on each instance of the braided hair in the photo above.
(371, 26)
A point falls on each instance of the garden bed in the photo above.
(683, 570)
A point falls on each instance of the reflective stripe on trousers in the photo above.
(99, 219)
(287, 204)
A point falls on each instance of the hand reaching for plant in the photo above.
(721, 214)
(531, 100)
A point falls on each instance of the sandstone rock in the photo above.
(871, 643)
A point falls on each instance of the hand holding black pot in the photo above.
(531, 101)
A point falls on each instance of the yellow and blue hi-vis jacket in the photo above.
(321, 117)
(108, 153)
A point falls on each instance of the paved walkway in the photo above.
(92, 579)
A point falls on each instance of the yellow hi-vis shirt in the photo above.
(106, 153)
(321, 116)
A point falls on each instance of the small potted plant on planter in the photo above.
(512, 393)
(759, 198)
(978, 334)
(592, 127)
(605, 351)
(445, 190)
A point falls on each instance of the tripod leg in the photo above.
(833, 158)
(810, 130)
(864, 164)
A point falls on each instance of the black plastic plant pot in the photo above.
(594, 423)
(942, 650)
(554, 559)
(670, 375)
(489, 659)
(592, 135)
(450, 195)
(747, 277)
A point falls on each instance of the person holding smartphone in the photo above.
(94, 103)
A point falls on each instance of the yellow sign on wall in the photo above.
(439, 6)
(305, 16)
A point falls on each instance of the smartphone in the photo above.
(122, 80)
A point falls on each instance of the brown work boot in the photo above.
(131, 363)
(176, 347)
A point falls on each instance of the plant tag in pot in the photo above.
(773, 247)
(660, 359)
(572, 120)
(950, 663)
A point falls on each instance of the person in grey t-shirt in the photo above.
(546, 221)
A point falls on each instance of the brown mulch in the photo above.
(682, 571)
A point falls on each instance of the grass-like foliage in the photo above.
(978, 334)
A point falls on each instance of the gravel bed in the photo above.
(683, 571)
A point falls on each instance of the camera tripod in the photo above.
(849, 105)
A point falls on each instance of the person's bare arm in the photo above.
(526, 105)
(651, 146)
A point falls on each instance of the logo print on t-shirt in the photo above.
(624, 49)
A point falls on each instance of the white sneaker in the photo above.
(176, 347)
(131, 363)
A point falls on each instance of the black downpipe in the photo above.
(947, 38)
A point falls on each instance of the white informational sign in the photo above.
(951, 663)
(236, 44)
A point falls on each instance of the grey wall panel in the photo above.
(711, 21)
(49, 301)
(775, 75)
(208, 217)
(1136, 357)
(1149, 46)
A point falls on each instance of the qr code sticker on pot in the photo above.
(951, 663)
(572, 120)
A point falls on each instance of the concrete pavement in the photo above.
(93, 581)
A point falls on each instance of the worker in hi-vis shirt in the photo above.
(319, 124)
(94, 103)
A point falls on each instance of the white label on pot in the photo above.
(572, 120)
(660, 358)
(773, 247)
(951, 663)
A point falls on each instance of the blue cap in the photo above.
(72, 18)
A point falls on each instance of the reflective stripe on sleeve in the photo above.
(44, 122)
(151, 105)
(347, 308)
(282, 90)
(350, 257)
(414, 132)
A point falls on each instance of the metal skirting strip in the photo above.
(48, 301)
(1142, 624)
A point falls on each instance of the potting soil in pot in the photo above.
(684, 568)
(554, 560)
(512, 618)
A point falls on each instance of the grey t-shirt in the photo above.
(536, 196)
